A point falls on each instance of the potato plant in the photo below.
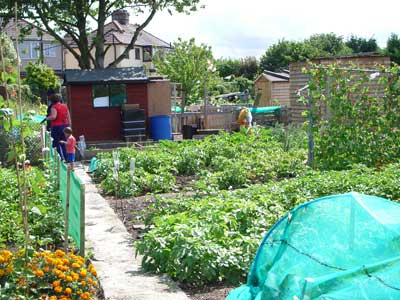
(209, 238)
(224, 161)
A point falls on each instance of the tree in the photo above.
(190, 65)
(278, 56)
(393, 48)
(228, 67)
(359, 44)
(72, 17)
(40, 78)
(327, 44)
(249, 67)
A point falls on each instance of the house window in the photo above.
(147, 53)
(109, 95)
(49, 50)
(25, 50)
(35, 50)
(137, 53)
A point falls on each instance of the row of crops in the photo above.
(242, 185)
(225, 161)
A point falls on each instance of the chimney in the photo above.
(121, 16)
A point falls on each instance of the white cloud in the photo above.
(240, 28)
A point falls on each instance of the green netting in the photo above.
(334, 248)
(74, 227)
(75, 199)
(74, 219)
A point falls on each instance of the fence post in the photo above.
(67, 210)
(82, 222)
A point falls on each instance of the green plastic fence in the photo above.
(76, 217)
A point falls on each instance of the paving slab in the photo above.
(119, 271)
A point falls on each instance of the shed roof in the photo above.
(117, 75)
(274, 76)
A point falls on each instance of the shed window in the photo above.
(109, 95)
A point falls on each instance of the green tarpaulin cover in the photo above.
(343, 247)
(265, 110)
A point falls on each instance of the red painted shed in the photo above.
(95, 97)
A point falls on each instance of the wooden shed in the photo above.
(298, 79)
(273, 89)
(96, 97)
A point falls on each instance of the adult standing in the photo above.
(60, 119)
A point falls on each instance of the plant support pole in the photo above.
(67, 210)
(310, 159)
(82, 222)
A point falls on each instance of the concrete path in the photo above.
(119, 271)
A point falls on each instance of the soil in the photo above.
(130, 211)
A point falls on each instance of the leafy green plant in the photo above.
(209, 238)
(356, 115)
(222, 161)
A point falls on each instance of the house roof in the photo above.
(117, 75)
(274, 76)
(118, 34)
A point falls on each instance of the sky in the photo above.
(240, 28)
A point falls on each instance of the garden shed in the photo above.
(98, 98)
(298, 79)
(272, 88)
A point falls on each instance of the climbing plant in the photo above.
(356, 115)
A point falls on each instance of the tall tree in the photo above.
(248, 67)
(228, 67)
(190, 65)
(278, 56)
(359, 44)
(328, 44)
(73, 18)
(393, 48)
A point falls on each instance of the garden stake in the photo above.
(67, 210)
(23, 154)
(82, 222)
(310, 159)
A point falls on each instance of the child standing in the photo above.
(70, 146)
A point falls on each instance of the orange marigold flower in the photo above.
(69, 278)
(83, 282)
(53, 298)
(76, 265)
(39, 273)
(68, 291)
(60, 253)
(83, 273)
(58, 289)
(1, 273)
(56, 283)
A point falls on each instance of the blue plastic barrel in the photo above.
(160, 127)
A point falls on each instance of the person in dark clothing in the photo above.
(49, 104)
(60, 119)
